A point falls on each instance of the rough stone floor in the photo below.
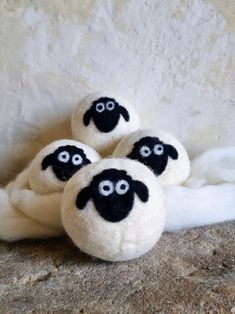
(190, 272)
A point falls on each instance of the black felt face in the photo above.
(105, 113)
(65, 161)
(153, 153)
(113, 192)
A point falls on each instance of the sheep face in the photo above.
(105, 113)
(153, 153)
(65, 161)
(113, 192)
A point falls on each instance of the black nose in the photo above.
(112, 208)
(64, 177)
(64, 174)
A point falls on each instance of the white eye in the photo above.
(77, 160)
(63, 156)
(100, 107)
(158, 149)
(110, 105)
(106, 187)
(145, 151)
(122, 187)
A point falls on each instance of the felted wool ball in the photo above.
(114, 209)
(101, 120)
(158, 150)
(32, 202)
(55, 164)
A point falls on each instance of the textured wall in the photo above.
(174, 60)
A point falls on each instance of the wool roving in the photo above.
(209, 194)
(102, 119)
(158, 150)
(114, 209)
(214, 166)
(15, 225)
(196, 207)
(31, 204)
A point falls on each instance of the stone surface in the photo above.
(189, 272)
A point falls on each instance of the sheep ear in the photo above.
(83, 197)
(131, 155)
(87, 117)
(172, 152)
(124, 113)
(47, 161)
(86, 161)
(141, 190)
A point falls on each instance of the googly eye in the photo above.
(77, 160)
(63, 156)
(100, 107)
(158, 149)
(122, 187)
(106, 187)
(110, 105)
(145, 151)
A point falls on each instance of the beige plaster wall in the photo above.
(173, 59)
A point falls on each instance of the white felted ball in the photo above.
(62, 155)
(30, 205)
(158, 150)
(114, 209)
(102, 119)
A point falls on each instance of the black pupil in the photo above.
(123, 186)
(106, 188)
(159, 148)
(64, 156)
(100, 107)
